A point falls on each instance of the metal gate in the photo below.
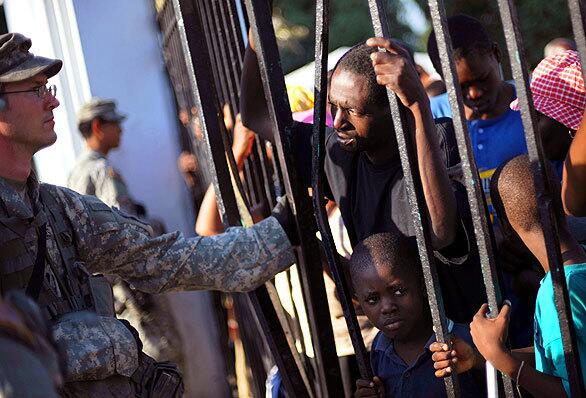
(204, 42)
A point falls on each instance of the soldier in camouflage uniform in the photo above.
(99, 123)
(60, 240)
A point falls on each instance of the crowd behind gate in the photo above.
(84, 268)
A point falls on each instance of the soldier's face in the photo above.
(27, 120)
(112, 133)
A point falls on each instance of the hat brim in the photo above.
(113, 117)
(32, 67)
(567, 115)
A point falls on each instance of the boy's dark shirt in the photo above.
(372, 199)
(418, 379)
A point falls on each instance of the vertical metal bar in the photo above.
(470, 171)
(204, 96)
(216, 52)
(322, 21)
(541, 178)
(578, 17)
(417, 203)
(310, 267)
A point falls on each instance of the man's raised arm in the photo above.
(253, 105)
(396, 72)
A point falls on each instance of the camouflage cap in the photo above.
(17, 63)
(105, 109)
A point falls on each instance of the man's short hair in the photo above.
(469, 38)
(357, 60)
(85, 129)
(513, 194)
(392, 249)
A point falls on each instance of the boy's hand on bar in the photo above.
(460, 358)
(395, 70)
(490, 334)
(369, 388)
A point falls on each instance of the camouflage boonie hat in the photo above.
(17, 63)
(105, 109)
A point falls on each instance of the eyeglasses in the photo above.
(42, 91)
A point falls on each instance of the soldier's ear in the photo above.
(96, 126)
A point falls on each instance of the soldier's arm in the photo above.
(240, 259)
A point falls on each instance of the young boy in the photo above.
(512, 185)
(388, 283)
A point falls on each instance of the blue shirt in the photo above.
(417, 379)
(549, 351)
(494, 141)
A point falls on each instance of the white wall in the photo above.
(124, 62)
(39, 19)
(113, 52)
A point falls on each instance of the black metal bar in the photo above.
(417, 203)
(204, 95)
(578, 17)
(470, 171)
(541, 178)
(322, 21)
(214, 44)
(310, 267)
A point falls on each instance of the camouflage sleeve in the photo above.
(112, 242)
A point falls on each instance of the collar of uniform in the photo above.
(383, 342)
(90, 153)
(14, 202)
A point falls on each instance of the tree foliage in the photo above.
(350, 23)
(541, 21)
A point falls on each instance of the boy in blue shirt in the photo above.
(496, 131)
(388, 283)
(545, 374)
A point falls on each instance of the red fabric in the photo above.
(557, 86)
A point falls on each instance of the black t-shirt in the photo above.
(372, 199)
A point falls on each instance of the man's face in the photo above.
(359, 124)
(393, 302)
(111, 134)
(27, 120)
(480, 82)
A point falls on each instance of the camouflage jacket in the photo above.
(92, 174)
(108, 241)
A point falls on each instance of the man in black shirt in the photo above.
(362, 162)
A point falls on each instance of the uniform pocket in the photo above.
(95, 347)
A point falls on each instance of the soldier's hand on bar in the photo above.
(490, 334)
(369, 388)
(395, 70)
(460, 358)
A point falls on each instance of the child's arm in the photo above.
(489, 336)
(369, 388)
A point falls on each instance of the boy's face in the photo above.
(479, 79)
(393, 301)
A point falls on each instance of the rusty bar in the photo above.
(204, 96)
(417, 202)
(470, 171)
(310, 266)
(578, 17)
(514, 40)
(322, 21)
